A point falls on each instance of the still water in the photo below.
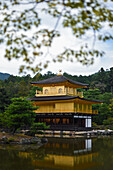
(60, 154)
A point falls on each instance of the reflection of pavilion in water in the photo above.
(66, 154)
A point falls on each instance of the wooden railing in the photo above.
(51, 93)
(67, 111)
(40, 93)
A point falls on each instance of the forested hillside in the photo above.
(102, 80)
(4, 76)
(100, 88)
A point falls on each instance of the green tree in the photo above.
(106, 97)
(101, 75)
(92, 94)
(38, 126)
(20, 113)
(23, 89)
(4, 99)
(104, 113)
(108, 122)
(25, 34)
(32, 91)
(111, 79)
(111, 106)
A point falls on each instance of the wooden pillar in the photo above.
(60, 121)
(73, 120)
(55, 120)
(82, 108)
(68, 90)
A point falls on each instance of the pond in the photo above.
(60, 154)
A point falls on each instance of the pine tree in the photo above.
(20, 113)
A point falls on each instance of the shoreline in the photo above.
(74, 134)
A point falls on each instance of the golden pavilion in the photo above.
(61, 106)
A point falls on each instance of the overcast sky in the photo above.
(66, 39)
(75, 68)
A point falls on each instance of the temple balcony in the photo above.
(95, 112)
(55, 93)
(87, 111)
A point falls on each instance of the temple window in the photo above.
(66, 90)
(84, 107)
(80, 107)
(46, 91)
(75, 105)
(89, 107)
(60, 90)
(53, 106)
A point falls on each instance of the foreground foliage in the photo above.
(26, 33)
(19, 114)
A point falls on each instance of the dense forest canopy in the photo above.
(17, 86)
(100, 88)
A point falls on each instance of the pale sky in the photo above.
(66, 40)
(75, 68)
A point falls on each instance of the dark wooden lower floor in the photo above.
(68, 128)
(63, 122)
